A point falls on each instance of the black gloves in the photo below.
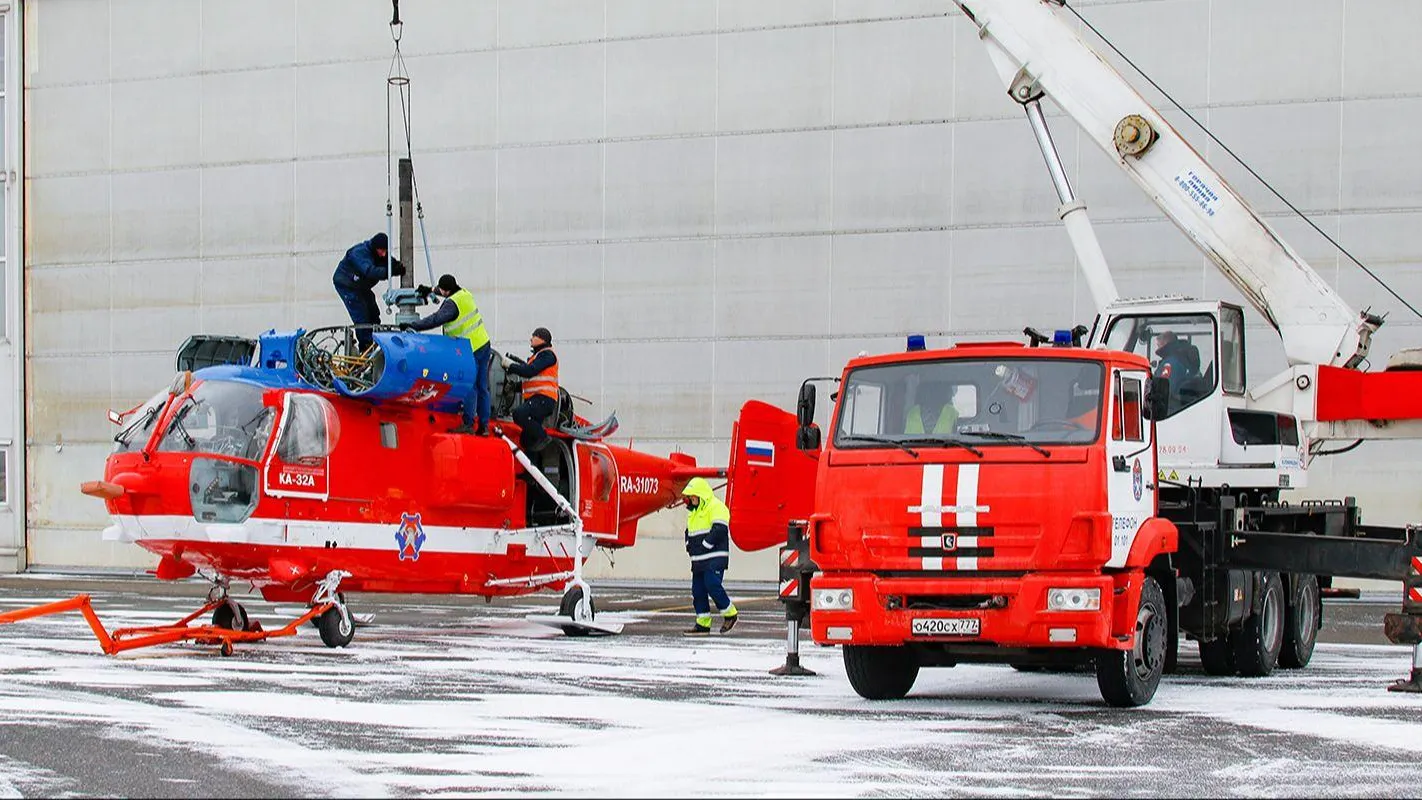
(423, 291)
(407, 328)
(396, 268)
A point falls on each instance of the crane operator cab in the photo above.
(1196, 352)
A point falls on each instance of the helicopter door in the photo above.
(598, 499)
(300, 462)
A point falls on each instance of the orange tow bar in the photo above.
(133, 638)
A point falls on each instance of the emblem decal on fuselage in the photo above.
(410, 536)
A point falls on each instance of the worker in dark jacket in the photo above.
(708, 542)
(539, 391)
(1178, 358)
(459, 315)
(1179, 362)
(362, 268)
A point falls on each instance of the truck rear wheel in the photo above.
(1302, 619)
(1128, 678)
(1258, 642)
(880, 673)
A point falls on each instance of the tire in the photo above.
(1217, 657)
(1129, 678)
(1027, 667)
(568, 604)
(1302, 619)
(1259, 641)
(880, 673)
(337, 627)
(316, 621)
(230, 615)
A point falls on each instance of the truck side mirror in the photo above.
(1158, 401)
(807, 438)
(805, 407)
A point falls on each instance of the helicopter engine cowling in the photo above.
(427, 370)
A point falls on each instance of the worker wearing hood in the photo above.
(708, 542)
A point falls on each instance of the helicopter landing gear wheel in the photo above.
(572, 607)
(231, 615)
(337, 627)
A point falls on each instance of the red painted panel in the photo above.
(1345, 394)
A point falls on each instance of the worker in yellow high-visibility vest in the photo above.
(459, 315)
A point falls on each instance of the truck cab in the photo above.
(985, 502)
(1211, 429)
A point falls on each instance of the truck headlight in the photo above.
(1073, 599)
(832, 599)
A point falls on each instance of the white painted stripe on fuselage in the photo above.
(547, 542)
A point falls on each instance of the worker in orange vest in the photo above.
(540, 391)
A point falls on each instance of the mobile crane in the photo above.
(986, 578)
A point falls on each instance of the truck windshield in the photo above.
(982, 402)
(220, 418)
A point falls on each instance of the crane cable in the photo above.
(398, 80)
(1242, 163)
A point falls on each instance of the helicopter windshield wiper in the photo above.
(881, 440)
(1010, 437)
(177, 423)
(946, 440)
(141, 422)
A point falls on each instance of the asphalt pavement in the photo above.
(453, 696)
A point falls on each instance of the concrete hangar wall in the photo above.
(705, 200)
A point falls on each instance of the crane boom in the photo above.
(1037, 53)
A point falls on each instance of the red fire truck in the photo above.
(987, 502)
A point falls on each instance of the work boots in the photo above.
(727, 623)
(463, 428)
(697, 630)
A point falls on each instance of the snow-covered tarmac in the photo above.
(462, 700)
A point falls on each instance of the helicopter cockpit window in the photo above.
(309, 430)
(1179, 347)
(220, 418)
(135, 434)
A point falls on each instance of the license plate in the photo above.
(957, 626)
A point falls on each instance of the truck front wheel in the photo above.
(880, 673)
(1128, 678)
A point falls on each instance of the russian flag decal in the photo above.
(760, 452)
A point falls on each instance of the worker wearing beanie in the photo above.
(459, 318)
(539, 391)
(708, 542)
(362, 268)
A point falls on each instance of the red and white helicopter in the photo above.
(303, 465)
(290, 465)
